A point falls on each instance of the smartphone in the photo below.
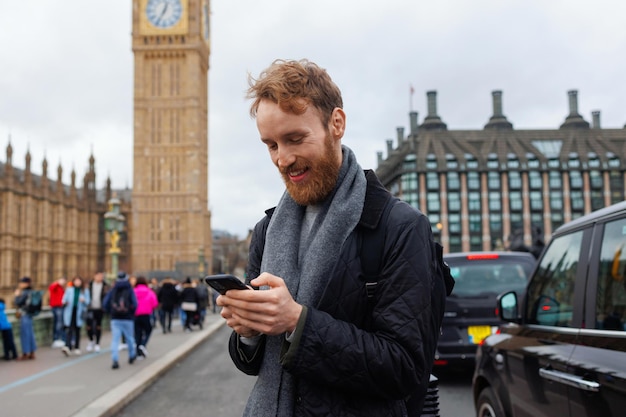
(224, 282)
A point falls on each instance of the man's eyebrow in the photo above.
(287, 135)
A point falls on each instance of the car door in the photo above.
(539, 351)
(598, 363)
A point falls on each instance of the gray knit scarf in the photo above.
(305, 270)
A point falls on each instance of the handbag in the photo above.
(189, 306)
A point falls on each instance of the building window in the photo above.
(616, 185)
(575, 180)
(494, 201)
(475, 222)
(454, 223)
(495, 223)
(473, 180)
(473, 201)
(554, 179)
(432, 181)
(577, 200)
(409, 163)
(493, 180)
(534, 179)
(595, 179)
(409, 182)
(454, 201)
(453, 180)
(515, 180)
(536, 200)
(515, 200)
(432, 202)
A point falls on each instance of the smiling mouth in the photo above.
(297, 175)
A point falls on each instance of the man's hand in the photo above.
(271, 312)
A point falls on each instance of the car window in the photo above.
(611, 296)
(551, 292)
(473, 278)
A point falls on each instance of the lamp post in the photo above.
(114, 224)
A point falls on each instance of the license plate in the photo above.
(476, 334)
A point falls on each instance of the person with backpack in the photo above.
(121, 304)
(76, 301)
(26, 310)
(323, 338)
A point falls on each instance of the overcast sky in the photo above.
(66, 77)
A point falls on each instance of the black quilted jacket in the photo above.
(355, 356)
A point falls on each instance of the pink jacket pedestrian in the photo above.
(146, 300)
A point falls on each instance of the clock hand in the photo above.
(165, 7)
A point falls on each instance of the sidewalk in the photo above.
(53, 385)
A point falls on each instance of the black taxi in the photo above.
(563, 352)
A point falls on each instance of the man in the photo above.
(27, 331)
(121, 303)
(98, 289)
(318, 343)
(56, 291)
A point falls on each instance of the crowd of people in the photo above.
(135, 306)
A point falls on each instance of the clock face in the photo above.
(164, 13)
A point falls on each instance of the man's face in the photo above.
(99, 277)
(307, 153)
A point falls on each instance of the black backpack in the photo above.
(121, 303)
(34, 302)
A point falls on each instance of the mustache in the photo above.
(296, 166)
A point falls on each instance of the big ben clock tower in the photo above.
(170, 218)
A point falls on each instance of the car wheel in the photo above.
(488, 405)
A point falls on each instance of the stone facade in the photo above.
(48, 229)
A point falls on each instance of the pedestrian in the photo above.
(146, 303)
(203, 299)
(8, 343)
(189, 303)
(121, 304)
(27, 332)
(154, 286)
(318, 343)
(98, 289)
(168, 298)
(55, 292)
(75, 303)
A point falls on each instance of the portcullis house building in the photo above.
(500, 187)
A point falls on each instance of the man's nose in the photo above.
(285, 157)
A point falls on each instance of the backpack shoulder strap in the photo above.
(370, 244)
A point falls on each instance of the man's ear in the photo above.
(337, 123)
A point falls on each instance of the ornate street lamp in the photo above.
(114, 224)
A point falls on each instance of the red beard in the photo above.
(321, 178)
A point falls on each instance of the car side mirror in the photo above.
(507, 306)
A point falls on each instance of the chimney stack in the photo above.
(379, 157)
(574, 120)
(498, 120)
(595, 117)
(413, 122)
(389, 146)
(432, 120)
(400, 135)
